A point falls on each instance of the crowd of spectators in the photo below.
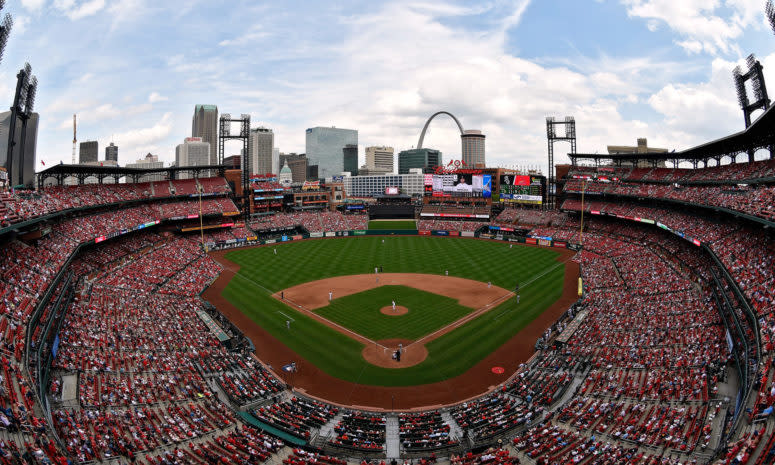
(424, 431)
(312, 221)
(297, 416)
(360, 431)
(22, 205)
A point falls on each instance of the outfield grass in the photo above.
(361, 312)
(262, 273)
(392, 224)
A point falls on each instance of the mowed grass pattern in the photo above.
(261, 273)
(361, 312)
(392, 224)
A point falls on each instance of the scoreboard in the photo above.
(524, 189)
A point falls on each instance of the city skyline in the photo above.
(624, 69)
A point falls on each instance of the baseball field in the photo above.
(456, 294)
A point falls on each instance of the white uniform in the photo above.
(330, 295)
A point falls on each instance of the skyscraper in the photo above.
(472, 141)
(23, 167)
(324, 148)
(111, 152)
(379, 159)
(423, 158)
(205, 125)
(261, 145)
(350, 159)
(88, 152)
(192, 152)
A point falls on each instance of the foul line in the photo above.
(310, 313)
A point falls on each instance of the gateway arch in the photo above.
(472, 141)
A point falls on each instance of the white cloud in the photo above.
(33, 5)
(254, 34)
(144, 137)
(705, 25)
(79, 10)
(156, 97)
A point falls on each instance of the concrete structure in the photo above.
(111, 152)
(204, 124)
(88, 152)
(324, 147)
(148, 162)
(642, 147)
(369, 186)
(275, 160)
(192, 152)
(27, 165)
(350, 158)
(380, 159)
(425, 159)
(261, 146)
(472, 142)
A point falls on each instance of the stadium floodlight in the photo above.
(31, 91)
(742, 97)
(5, 31)
(769, 11)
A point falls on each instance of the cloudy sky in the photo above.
(134, 69)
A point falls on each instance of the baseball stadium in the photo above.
(619, 310)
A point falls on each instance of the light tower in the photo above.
(75, 140)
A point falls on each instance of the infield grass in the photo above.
(361, 312)
(262, 273)
(392, 224)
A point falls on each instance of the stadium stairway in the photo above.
(392, 439)
(455, 432)
(327, 429)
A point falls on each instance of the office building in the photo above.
(192, 152)
(23, 167)
(350, 159)
(261, 145)
(205, 125)
(87, 152)
(111, 152)
(472, 141)
(149, 161)
(379, 159)
(370, 186)
(275, 160)
(641, 148)
(324, 147)
(424, 158)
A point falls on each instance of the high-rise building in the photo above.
(350, 159)
(275, 160)
(88, 152)
(261, 145)
(205, 125)
(192, 152)
(148, 162)
(23, 167)
(111, 152)
(472, 141)
(325, 148)
(424, 158)
(379, 159)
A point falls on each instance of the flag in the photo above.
(43, 163)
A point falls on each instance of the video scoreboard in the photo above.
(524, 189)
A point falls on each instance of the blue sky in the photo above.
(134, 69)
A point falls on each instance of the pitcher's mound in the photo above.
(388, 310)
(382, 354)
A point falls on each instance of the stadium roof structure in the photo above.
(761, 134)
(81, 172)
